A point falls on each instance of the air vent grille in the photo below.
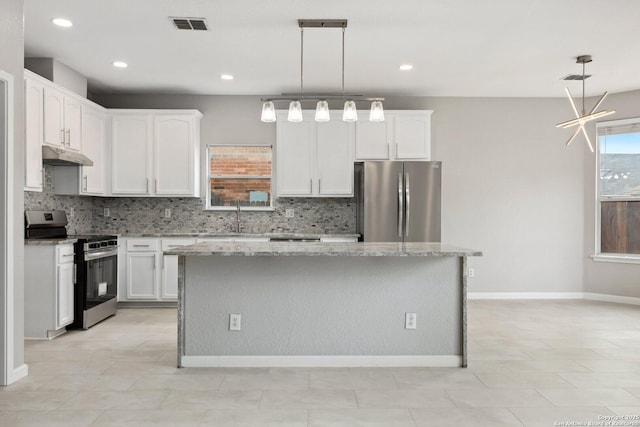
(576, 77)
(190, 23)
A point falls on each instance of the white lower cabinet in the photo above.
(149, 275)
(49, 281)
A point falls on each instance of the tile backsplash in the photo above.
(135, 215)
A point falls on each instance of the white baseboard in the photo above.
(319, 361)
(18, 373)
(525, 295)
(612, 298)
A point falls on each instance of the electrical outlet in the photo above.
(106, 212)
(235, 320)
(288, 213)
(410, 320)
(167, 213)
(471, 272)
(72, 212)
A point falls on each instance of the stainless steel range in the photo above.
(96, 259)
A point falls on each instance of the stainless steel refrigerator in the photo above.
(398, 201)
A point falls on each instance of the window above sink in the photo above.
(239, 175)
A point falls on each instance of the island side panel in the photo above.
(297, 305)
(181, 301)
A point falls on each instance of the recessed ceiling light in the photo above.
(226, 76)
(406, 67)
(61, 22)
(120, 64)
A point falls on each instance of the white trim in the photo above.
(319, 361)
(612, 298)
(9, 373)
(525, 295)
(619, 258)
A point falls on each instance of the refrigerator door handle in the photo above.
(408, 204)
(400, 205)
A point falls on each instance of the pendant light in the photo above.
(322, 111)
(350, 112)
(295, 111)
(268, 112)
(377, 113)
(582, 117)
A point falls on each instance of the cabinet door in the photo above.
(131, 148)
(64, 295)
(169, 286)
(73, 123)
(334, 158)
(34, 133)
(54, 130)
(142, 283)
(170, 277)
(93, 146)
(174, 160)
(372, 140)
(294, 155)
(412, 136)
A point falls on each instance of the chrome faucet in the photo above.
(238, 226)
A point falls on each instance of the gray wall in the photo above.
(323, 305)
(511, 187)
(11, 61)
(605, 277)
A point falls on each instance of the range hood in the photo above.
(61, 157)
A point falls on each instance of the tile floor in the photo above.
(532, 363)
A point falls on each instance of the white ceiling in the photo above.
(504, 48)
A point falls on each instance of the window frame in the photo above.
(208, 177)
(599, 199)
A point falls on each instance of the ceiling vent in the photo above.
(190, 23)
(576, 77)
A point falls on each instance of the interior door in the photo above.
(383, 183)
(423, 198)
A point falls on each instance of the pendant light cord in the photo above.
(343, 62)
(301, 62)
(583, 79)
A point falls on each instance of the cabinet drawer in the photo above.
(176, 243)
(64, 254)
(142, 245)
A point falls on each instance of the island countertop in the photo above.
(384, 249)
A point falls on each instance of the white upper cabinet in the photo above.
(334, 157)
(94, 139)
(130, 153)
(62, 119)
(174, 148)
(404, 135)
(314, 159)
(155, 152)
(34, 133)
(294, 152)
(372, 140)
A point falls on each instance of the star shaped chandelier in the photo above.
(582, 117)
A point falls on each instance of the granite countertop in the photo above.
(321, 249)
(44, 242)
(230, 234)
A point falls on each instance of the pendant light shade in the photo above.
(268, 112)
(295, 112)
(322, 111)
(350, 113)
(377, 113)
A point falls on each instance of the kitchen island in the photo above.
(318, 304)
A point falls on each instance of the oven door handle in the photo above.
(89, 256)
